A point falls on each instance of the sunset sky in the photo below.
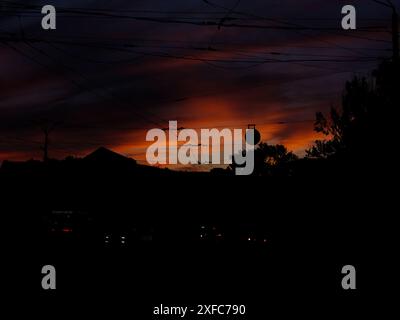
(114, 69)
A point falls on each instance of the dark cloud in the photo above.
(107, 79)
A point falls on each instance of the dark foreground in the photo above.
(122, 247)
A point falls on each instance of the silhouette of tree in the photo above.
(270, 160)
(275, 155)
(363, 124)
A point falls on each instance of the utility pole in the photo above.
(395, 34)
(45, 147)
(395, 27)
(46, 127)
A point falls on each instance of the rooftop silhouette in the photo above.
(103, 154)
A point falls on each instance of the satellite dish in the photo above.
(257, 135)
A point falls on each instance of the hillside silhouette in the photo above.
(359, 137)
(107, 186)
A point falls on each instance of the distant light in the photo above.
(249, 239)
(67, 230)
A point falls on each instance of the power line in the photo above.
(122, 47)
(203, 22)
(77, 84)
(395, 27)
(194, 43)
(297, 29)
(132, 48)
(208, 61)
